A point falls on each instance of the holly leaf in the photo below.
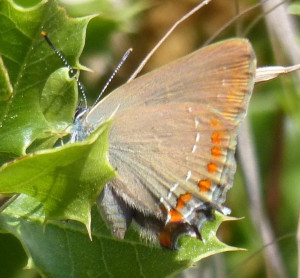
(38, 99)
(63, 249)
(66, 180)
(26, 64)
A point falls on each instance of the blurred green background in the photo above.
(274, 112)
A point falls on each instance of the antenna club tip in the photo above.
(43, 33)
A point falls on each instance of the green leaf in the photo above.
(38, 100)
(12, 256)
(66, 180)
(27, 62)
(63, 249)
(294, 8)
(58, 100)
(58, 103)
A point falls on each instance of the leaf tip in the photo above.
(88, 227)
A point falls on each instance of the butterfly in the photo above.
(172, 141)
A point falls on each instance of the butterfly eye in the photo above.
(72, 73)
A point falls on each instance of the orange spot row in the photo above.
(204, 185)
(216, 152)
(182, 200)
(175, 215)
(212, 167)
(165, 239)
(216, 137)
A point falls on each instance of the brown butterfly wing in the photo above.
(174, 131)
(195, 78)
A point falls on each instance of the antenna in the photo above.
(71, 70)
(125, 56)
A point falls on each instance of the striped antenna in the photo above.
(71, 70)
(125, 56)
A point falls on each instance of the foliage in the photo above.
(56, 181)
